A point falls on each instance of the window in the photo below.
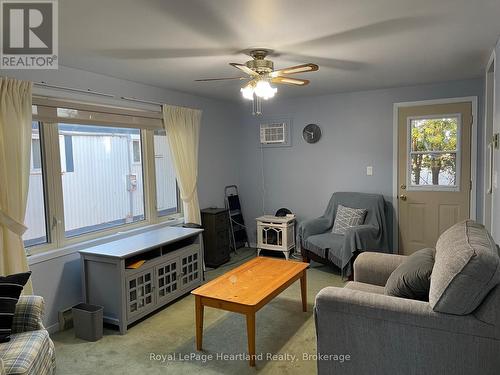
(36, 233)
(106, 189)
(434, 152)
(94, 165)
(166, 183)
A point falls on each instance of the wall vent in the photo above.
(273, 133)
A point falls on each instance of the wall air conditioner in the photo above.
(274, 134)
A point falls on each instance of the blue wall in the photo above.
(357, 132)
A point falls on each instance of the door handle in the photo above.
(403, 197)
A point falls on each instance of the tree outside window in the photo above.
(434, 151)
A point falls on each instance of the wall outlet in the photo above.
(369, 171)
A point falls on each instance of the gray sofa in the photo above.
(383, 335)
(317, 242)
(30, 350)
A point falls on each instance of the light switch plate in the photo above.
(369, 171)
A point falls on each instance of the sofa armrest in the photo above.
(313, 226)
(419, 314)
(2, 368)
(375, 268)
(28, 314)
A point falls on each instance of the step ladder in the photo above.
(239, 236)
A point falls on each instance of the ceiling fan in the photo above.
(261, 74)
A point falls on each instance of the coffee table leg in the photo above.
(199, 322)
(251, 337)
(303, 290)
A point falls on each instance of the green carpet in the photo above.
(282, 330)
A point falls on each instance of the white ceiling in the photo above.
(358, 44)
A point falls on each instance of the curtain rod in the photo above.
(93, 92)
(132, 99)
(86, 91)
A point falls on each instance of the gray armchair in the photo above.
(456, 333)
(389, 335)
(317, 241)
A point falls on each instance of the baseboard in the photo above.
(53, 328)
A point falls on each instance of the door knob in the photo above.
(402, 197)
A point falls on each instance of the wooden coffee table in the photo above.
(246, 289)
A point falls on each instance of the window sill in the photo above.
(71, 249)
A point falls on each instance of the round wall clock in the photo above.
(311, 133)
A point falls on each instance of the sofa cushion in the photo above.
(347, 217)
(10, 289)
(318, 243)
(28, 353)
(412, 278)
(466, 268)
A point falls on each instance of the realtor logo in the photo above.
(29, 34)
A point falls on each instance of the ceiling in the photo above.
(358, 44)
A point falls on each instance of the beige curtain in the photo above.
(183, 132)
(15, 154)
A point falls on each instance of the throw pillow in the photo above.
(412, 278)
(10, 290)
(347, 217)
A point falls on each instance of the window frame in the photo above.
(458, 154)
(33, 169)
(52, 170)
(40, 136)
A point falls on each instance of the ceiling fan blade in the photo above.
(295, 70)
(244, 68)
(221, 79)
(290, 81)
(325, 62)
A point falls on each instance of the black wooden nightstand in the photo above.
(215, 221)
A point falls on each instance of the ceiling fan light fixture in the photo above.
(264, 90)
(247, 92)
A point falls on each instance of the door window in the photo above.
(434, 153)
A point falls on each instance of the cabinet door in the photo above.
(190, 268)
(140, 297)
(167, 279)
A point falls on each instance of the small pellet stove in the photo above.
(276, 233)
